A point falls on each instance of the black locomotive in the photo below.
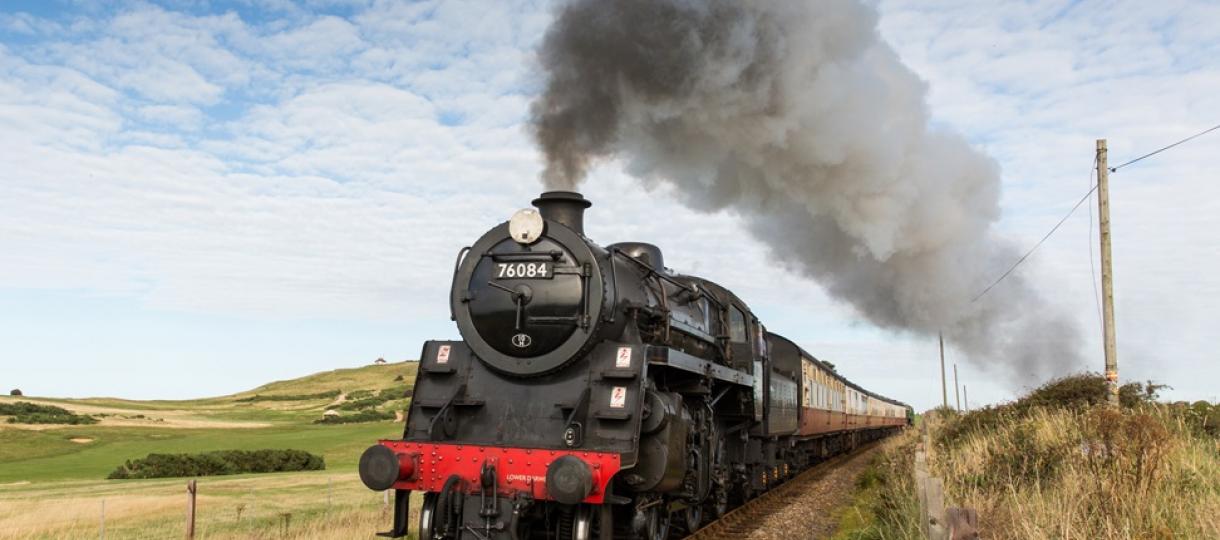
(596, 393)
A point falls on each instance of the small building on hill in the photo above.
(379, 361)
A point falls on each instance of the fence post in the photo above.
(286, 522)
(937, 522)
(936, 510)
(101, 527)
(921, 489)
(191, 489)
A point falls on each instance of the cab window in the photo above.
(737, 325)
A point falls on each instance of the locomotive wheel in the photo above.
(427, 513)
(693, 517)
(658, 522)
(582, 525)
(718, 503)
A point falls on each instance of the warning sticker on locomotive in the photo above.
(618, 397)
(442, 354)
(623, 360)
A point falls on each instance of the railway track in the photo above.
(749, 517)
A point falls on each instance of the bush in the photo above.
(41, 418)
(24, 412)
(360, 417)
(367, 403)
(25, 407)
(1073, 392)
(396, 392)
(293, 397)
(15, 392)
(218, 463)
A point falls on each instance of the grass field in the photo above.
(52, 478)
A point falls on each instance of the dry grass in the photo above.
(884, 505)
(252, 507)
(1082, 473)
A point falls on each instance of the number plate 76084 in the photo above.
(524, 270)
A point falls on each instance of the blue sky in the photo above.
(200, 197)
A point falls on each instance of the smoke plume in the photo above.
(799, 118)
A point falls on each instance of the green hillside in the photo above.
(280, 414)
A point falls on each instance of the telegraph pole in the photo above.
(957, 396)
(1107, 273)
(944, 392)
(966, 396)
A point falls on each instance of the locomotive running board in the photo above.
(665, 356)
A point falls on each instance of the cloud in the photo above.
(197, 162)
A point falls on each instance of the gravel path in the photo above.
(813, 512)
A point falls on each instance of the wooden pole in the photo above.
(957, 394)
(966, 397)
(101, 528)
(944, 392)
(191, 489)
(1107, 273)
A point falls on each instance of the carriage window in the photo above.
(737, 325)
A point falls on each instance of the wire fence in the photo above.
(263, 507)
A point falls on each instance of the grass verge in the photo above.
(1058, 463)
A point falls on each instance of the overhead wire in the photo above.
(1086, 197)
(1159, 150)
(1031, 250)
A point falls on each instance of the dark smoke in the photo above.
(796, 116)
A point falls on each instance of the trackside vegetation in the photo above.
(218, 463)
(1059, 463)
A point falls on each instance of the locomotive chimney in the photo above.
(566, 207)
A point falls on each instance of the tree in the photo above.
(15, 392)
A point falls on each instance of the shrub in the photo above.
(24, 412)
(1081, 390)
(25, 407)
(396, 392)
(1074, 392)
(293, 397)
(222, 462)
(364, 399)
(360, 417)
(15, 392)
(367, 403)
(41, 418)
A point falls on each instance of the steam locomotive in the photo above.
(597, 394)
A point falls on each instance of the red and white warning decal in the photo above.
(442, 354)
(623, 360)
(618, 397)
